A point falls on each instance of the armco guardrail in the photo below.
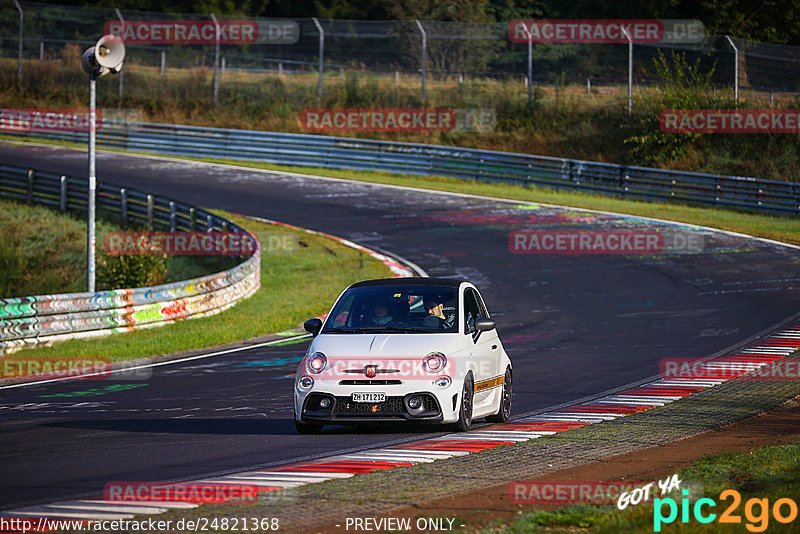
(348, 153)
(26, 321)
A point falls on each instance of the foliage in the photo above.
(129, 271)
(683, 86)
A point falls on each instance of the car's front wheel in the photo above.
(465, 409)
(504, 412)
(307, 428)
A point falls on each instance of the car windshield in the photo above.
(395, 309)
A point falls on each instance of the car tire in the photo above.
(307, 428)
(465, 408)
(504, 412)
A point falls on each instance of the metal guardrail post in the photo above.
(735, 70)
(321, 57)
(630, 69)
(62, 204)
(424, 56)
(216, 59)
(172, 216)
(150, 206)
(21, 20)
(30, 186)
(123, 205)
(41, 50)
(163, 60)
(209, 223)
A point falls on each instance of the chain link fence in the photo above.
(431, 56)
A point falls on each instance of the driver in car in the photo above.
(436, 317)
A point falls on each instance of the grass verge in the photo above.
(769, 473)
(43, 251)
(297, 282)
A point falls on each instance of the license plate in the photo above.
(369, 397)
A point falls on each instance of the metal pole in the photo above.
(321, 56)
(21, 20)
(216, 60)
(222, 69)
(424, 56)
(735, 70)
(122, 71)
(90, 240)
(530, 66)
(163, 60)
(41, 50)
(630, 69)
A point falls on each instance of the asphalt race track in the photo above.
(574, 326)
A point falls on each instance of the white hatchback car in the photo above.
(404, 349)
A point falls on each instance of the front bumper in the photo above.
(340, 408)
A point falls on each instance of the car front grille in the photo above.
(391, 406)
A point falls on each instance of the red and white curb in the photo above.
(633, 400)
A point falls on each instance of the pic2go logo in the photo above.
(756, 511)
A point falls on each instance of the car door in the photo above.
(484, 348)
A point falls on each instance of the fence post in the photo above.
(209, 223)
(150, 206)
(122, 70)
(588, 86)
(321, 56)
(123, 205)
(735, 70)
(192, 219)
(21, 20)
(63, 199)
(222, 69)
(530, 66)
(163, 60)
(424, 56)
(630, 68)
(216, 59)
(41, 50)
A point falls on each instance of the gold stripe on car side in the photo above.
(489, 384)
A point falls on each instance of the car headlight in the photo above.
(434, 362)
(316, 363)
(305, 383)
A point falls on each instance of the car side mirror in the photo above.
(484, 324)
(312, 326)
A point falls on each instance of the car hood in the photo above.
(386, 345)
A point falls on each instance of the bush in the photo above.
(129, 271)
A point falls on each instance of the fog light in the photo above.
(324, 403)
(305, 383)
(414, 403)
(442, 382)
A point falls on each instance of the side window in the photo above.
(471, 311)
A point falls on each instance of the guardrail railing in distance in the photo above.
(625, 181)
(32, 320)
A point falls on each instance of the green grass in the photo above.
(769, 473)
(296, 284)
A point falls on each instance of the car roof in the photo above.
(406, 281)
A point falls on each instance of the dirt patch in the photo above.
(478, 508)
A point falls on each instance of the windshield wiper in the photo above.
(340, 330)
(394, 329)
